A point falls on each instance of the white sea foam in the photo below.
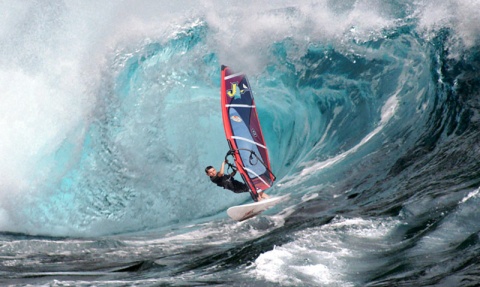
(470, 195)
(326, 255)
(460, 16)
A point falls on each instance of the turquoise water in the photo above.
(111, 112)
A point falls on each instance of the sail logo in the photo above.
(236, 92)
(233, 91)
(254, 132)
(236, 119)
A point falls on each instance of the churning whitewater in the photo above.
(111, 111)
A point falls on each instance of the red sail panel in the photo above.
(243, 131)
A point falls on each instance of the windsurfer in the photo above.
(228, 182)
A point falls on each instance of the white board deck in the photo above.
(246, 211)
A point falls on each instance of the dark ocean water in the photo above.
(110, 112)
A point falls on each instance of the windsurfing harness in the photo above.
(243, 132)
(228, 182)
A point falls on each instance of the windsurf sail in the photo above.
(243, 132)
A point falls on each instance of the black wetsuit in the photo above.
(228, 182)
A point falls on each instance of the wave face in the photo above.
(369, 108)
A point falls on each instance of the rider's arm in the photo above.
(222, 170)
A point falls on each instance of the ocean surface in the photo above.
(110, 111)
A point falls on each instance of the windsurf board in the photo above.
(246, 211)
